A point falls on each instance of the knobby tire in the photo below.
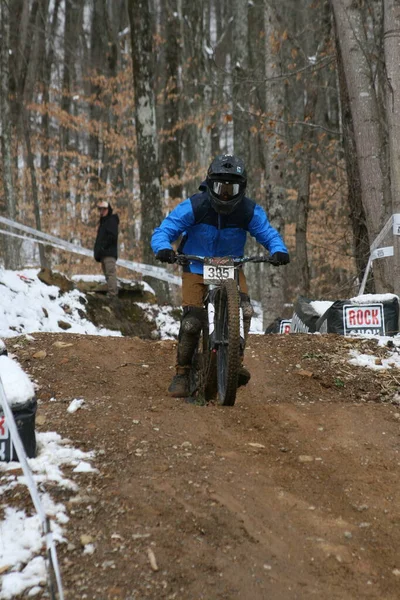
(228, 335)
(203, 374)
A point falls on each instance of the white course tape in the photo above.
(149, 270)
(376, 251)
(30, 482)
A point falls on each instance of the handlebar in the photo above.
(184, 259)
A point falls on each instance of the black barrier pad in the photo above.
(274, 326)
(347, 318)
(279, 326)
(305, 317)
(24, 417)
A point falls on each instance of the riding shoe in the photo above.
(179, 386)
(243, 376)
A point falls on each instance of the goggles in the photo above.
(225, 189)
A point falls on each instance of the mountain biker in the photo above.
(213, 222)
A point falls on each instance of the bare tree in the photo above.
(272, 290)
(172, 90)
(10, 259)
(392, 60)
(366, 111)
(240, 93)
(146, 129)
(357, 213)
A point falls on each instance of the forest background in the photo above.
(129, 100)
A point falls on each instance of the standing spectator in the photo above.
(106, 245)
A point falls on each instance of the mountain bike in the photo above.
(216, 362)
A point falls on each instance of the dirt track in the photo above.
(293, 493)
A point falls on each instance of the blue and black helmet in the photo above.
(226, 181)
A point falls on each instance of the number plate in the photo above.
(216, 270)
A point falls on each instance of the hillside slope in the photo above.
(292, 493)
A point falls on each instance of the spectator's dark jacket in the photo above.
(106, 243)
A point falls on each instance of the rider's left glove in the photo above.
(166, 255)
(280, 258)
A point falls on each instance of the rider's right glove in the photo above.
(280, 258)
(166, 255)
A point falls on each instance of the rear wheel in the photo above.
(227, 324)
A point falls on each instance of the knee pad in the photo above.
(247, 307)
(192, 320)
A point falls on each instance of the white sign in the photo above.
(285, 325)
(396, 224)
(214, 274)
(382, 252)
(364, 318)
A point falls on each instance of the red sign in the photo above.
(364, 318)
(284, 326)
(3, 428)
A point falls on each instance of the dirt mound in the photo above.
(292, 493)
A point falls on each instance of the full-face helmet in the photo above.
(226, 181)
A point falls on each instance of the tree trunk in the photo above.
(196, 99)
(35, 195)
(272, 278)
(146, 130)
(172, 141)
(255, 152)
(392, 60)
(357, 213)
(370, 138)
(240, 92)
(10, 258)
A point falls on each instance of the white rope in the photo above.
(149, 270)
(377, 252)
(30, 482)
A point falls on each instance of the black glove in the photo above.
(166, 255)
(280, 258)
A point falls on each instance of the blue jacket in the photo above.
(207, 233)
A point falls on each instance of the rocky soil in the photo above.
(293, 493)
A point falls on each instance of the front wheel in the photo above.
(227, 323)
(203, 374)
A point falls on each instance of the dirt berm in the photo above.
(291, 494)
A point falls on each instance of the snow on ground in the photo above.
(28, 305)
(372, 362)
(21, 537)
(18, 388)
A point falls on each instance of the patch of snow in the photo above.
(370, 361)
(28, 305)
(321, 306)
(21, 536)
(75, 405)
(18, 388)
(257, 319)
(85, 467)
(166, 322)
(372, 298)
